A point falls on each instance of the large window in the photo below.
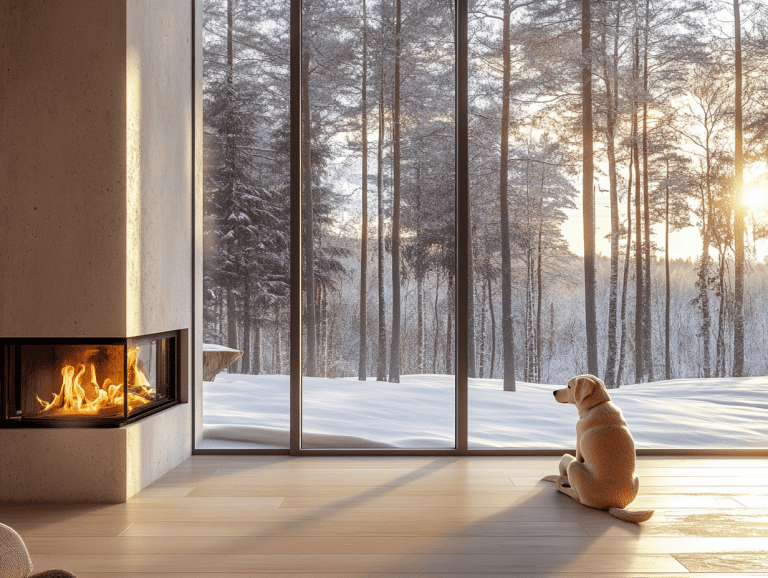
(427, 326)
(246, 286)
(378, 157)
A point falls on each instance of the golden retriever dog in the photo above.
(602, 475)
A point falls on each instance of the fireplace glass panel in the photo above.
(150, 371)
(98, 381)
(71, 380)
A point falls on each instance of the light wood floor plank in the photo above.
(369, 528)
(510, 564)
(399, 545)
(253, 574)
(420, 517)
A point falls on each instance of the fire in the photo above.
(81, 393)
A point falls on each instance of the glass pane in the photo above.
(666, 291)
(246, 224)
(379, 186)
(67, 380)
(151, 368)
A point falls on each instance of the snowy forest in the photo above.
(637, 123)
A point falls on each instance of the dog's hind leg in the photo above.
(562, 479)
(566, 461)
(568, 491)
(555, 478)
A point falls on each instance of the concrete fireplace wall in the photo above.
(63, 169)
(91, 465)
(97, 154)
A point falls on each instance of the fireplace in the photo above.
(86, 382)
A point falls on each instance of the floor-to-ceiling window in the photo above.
(246, 228)
(378, 182)
(679, 302)
(666, 221)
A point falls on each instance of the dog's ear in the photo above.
(589, 391)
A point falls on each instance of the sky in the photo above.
(684, 244)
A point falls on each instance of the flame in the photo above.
(81, 393)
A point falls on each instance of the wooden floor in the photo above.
(224, 516)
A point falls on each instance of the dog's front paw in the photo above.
(553, 478)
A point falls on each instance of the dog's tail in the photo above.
(634, 516)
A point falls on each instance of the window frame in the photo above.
(462, 231)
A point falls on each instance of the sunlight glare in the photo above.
(756, 199)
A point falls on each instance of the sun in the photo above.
(756, 199)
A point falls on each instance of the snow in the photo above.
(253, 411)
(214, 347)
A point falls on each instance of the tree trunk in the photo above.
(362, 365)
(720, 344)
(622, 321)
(245, 360)
(420, 271)
(738, 223)
(588, 170)
(481, 356)
(323, 341)
(449, 330)
(471, 364)
(506, 258)
(278, 344)
(394, 349)
(420, 323)
(639, 293)
(667, 361)
(404, 352)
(231, 326)
(612, 106)
(437, 327)
(539, 291)
(647, 345)
(703, 282)
(230, 154)
(330, 344)
(256, 361)
(493, 329)
(220, 299)
(528, 369)
(381, 360)
(309, 234)
(551, 336)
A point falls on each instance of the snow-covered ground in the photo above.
(243, 410)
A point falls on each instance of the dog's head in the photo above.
(583, 391)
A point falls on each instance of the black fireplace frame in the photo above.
(10, 377)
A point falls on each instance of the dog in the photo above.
(602, 475)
